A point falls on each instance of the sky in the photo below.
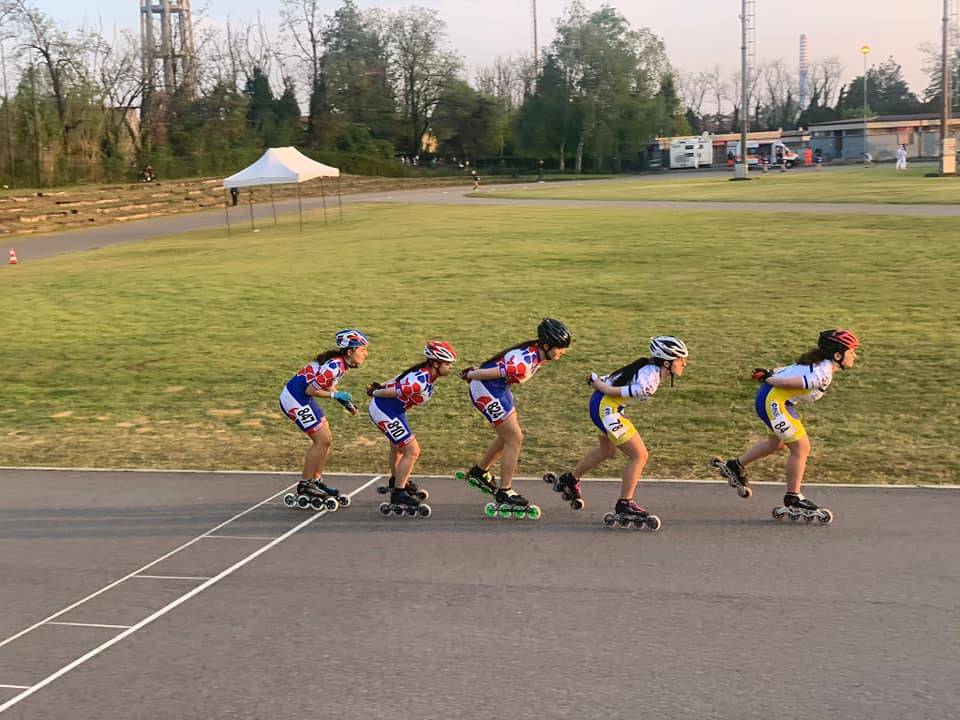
(703, 34)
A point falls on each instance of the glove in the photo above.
(591, 378)
(465, 372)
(342, 397)
(760, 374)
(371, 387)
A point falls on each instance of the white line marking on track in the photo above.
(140, 570)
(170, 606)
(694, 481)
(118, 627)
(170, 577)
(238, 537)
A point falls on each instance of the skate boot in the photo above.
(404, 504)
(411, 487)
(479, 478)
(569, 486)
(510, 503)
(342, 500)
(311, 494)
(796, 506)
(734, 473)
(627, 512)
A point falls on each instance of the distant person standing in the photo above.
(867, 160)
(540, 172)
(780, 159)
(476, 180)
(818, 158)
(234, 196)
(901, 157)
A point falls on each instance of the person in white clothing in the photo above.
(901, 157)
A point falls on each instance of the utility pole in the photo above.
(948, 144)
(536, 41)
(748, 37)
(6, 104)
(865, 50)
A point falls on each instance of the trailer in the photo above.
(691, 153)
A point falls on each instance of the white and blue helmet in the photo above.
(667, 347)
(351, 338)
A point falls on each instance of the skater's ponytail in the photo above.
(813, 356)
(524, 344)
(623, 376)
(336, 352)
(421, 364)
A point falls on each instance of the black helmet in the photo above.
(553, 333)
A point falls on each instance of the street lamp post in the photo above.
(948, 157)
(865, 50)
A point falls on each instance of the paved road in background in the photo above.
(725, 613)
(36, 247)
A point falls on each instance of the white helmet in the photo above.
(667, 347)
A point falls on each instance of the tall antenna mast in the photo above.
(804, 72)
(166, 31)
(536, 41)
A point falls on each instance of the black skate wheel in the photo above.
(793, 515)
(290, 500)
(331, 504)
(422, 494)
(825, 516)
(303, 502)
(744, 492)
(343, 500)
(577, 503)
(609, 519)
(424, 511)
(779, 513)
(624, 522)
(384, 508)
(653, 522)
(549, 478)
(383, 489)
(411, 511)
(398, 510)
(317, 503)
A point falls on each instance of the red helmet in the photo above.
(440, 350)
(838, 340)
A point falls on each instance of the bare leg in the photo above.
(511, 436)
(316, 457)
(637, 453)
(760, 449)
(408, 458)
(604, 451)
(796, 463)
(394, 457)
(493, 453)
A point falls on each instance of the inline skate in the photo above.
(479, 478)
(796, 506)
(627, 512)
(411, 487)
(404, 504)
(510, 503)
(316, 495)
(568, 486)
(735, 475)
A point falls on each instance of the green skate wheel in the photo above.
(490, 510)
(506, 511)
(520, 512)
(533, 512)
(460, 475)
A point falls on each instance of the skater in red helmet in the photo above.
(781, 388)
(388, 411)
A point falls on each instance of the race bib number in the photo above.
(495, 410)
(781, 423)
(395, 429)
(306, 415)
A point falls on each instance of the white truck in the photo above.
(692, 153)
(757, 151)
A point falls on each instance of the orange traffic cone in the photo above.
(13, 257)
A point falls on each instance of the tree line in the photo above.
(381, 92)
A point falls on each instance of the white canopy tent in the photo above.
(284, 166)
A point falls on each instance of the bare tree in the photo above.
(304, 26)
(693, 89)
(824, 76)
(506, 80)
(719, 91)
(423, 68)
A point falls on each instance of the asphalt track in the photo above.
(725, 613)
(41, 246)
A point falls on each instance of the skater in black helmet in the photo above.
(637, 380)
(489, 392)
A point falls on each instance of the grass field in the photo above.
(881, 184)
(171, 353)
